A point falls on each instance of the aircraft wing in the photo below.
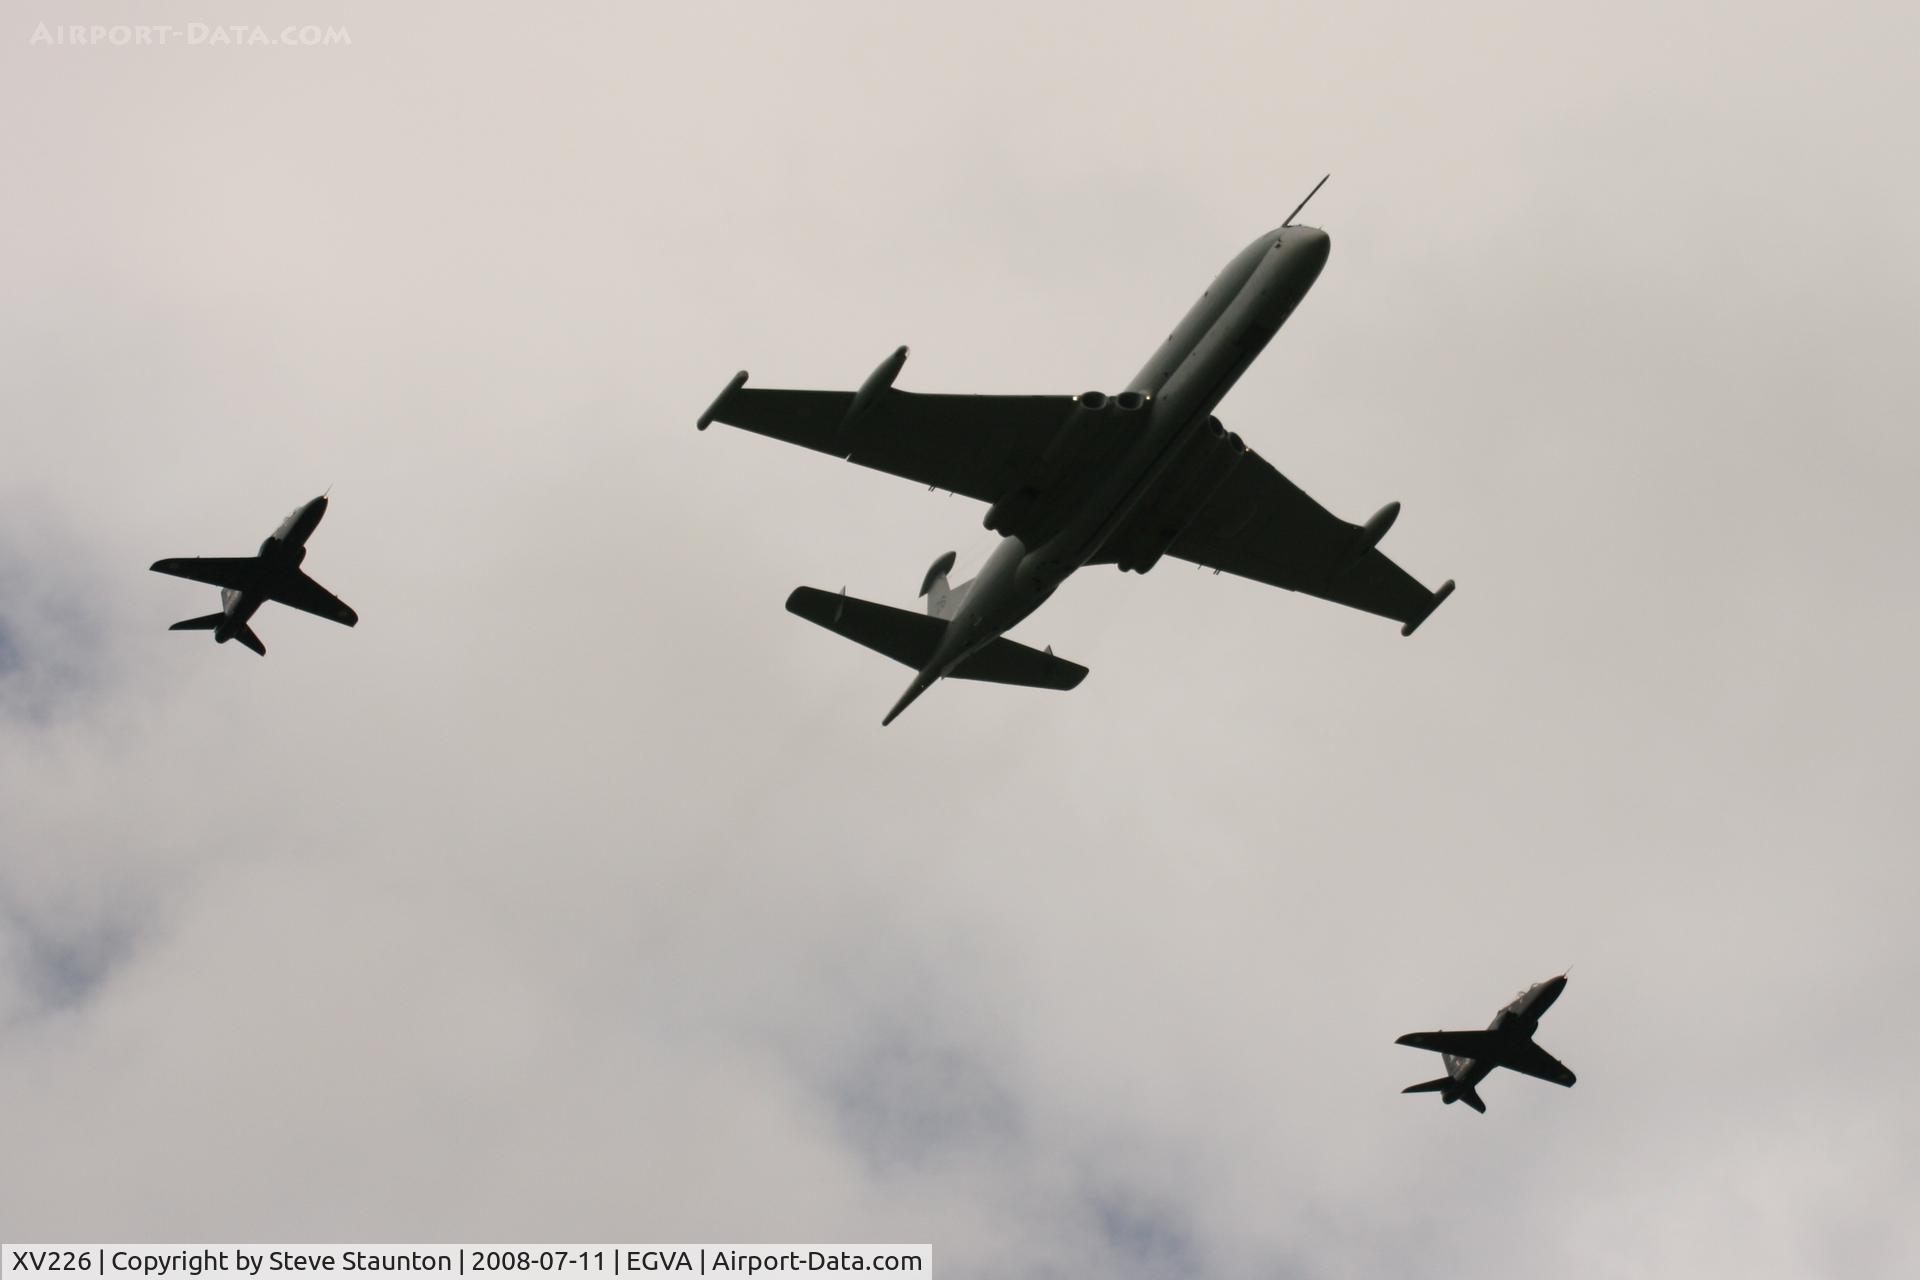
(1524, 1056)
(1261, 525)
(980, 446)
(236, 572)
(298, 591)
(1461, 1044)
(1529, 1059)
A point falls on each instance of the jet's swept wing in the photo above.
(1515, 1054)
(1461, 1044)
(980, 446)
(1529, 1059)
(298, 591)
(1261, 525)
(235, 572)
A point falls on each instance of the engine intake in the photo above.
(1010, 510)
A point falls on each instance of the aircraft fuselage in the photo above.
(1176, 391)
(1519, 1019)
(283, 549)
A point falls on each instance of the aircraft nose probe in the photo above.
(1303, 204)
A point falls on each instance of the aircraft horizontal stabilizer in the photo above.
(911, 638)
(1450, 1091)
(206, 623)
(244, 634)
(903, 635)
(1010, 662)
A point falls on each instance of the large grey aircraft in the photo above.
(1092, 479)
(1507, 1042)
(247, 582)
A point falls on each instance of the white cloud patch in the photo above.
(577, 893)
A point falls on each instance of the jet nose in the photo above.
(1308, 242)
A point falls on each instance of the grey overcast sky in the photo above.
(577, 893)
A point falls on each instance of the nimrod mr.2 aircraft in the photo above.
(1092, 479)
(247, 582)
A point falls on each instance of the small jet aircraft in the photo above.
(1507, 1042)
(247, 582)
(1092, 479)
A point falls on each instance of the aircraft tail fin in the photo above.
(941, 598)
(207, 623)
(244, 634)
(911, 638)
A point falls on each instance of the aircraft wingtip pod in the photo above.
(1371, 532)
(1381, 521)
(706, 419)
(878, 383)
(1446, 589)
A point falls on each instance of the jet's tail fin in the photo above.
(207, 623)
(1429, 1086)
(942, 598)
(244, 634)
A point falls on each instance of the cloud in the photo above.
(576, 893)
(54, 617)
